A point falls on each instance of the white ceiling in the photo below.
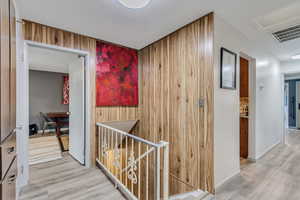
(109, 20)
(43, 59)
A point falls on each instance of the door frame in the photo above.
(87, 102)
(297, 106)
(286, 105)
(283, 79)
(252, 106)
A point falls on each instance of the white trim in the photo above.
(227, 179)
(23, 177)
(267, 151)
(283, 138)
(88, 105)
(285, 130)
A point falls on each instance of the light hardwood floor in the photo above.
(275, 177)
(65, 179)
(43, 149)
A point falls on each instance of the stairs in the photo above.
(43, 149)
(196, 195)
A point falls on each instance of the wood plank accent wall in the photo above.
(53, 36)
(176, 72)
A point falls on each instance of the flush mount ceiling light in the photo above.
(134, 3)
(296, 57)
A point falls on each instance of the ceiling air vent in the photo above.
(287, 34)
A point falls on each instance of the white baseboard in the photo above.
(267, 150)
(252, 160)
(227, 179)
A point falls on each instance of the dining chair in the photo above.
(47, 122)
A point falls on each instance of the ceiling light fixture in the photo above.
(135, 3)
(296, 57)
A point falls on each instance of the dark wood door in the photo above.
(244, 77)
(244, 138)
(244, 93)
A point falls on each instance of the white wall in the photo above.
(45, 94)
(268, 125)
(269, 107)
(290, 67)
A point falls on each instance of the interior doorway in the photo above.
(56, 104)
(244, 108)
(292, 101)
(75, 66)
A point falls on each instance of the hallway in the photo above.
(65, 179)
(276, 176)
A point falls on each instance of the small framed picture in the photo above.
(228, 69)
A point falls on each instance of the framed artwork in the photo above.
(116, 75)
(228, 69)
(66, 90)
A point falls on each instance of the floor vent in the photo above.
(287, 34)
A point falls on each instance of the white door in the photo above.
(297, 104)
(76, 108)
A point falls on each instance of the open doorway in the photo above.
(292, 108)
(292, 101)
(67, 124)
(56, 105)
(244, 109)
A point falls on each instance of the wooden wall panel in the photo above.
(5, 117)
(174, 74)
(177, 71)
(13, 65)
(53, 36)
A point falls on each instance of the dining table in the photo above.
(62, 120)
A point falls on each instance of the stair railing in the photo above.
(138, 167)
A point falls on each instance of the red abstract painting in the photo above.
(116, 76)
(66, 90)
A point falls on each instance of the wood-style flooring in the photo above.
(274, 177)
(196, 195)
(65, 179)
(43, 149)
